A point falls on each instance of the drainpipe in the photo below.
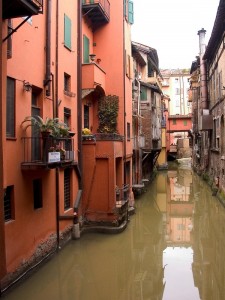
(79, 90)
(203, 87)
(124, 101)
(57, 114)
(47, 81)
(76, 226)
(2, 222)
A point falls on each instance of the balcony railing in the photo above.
(108, 137)
(47, 152)
(21, 8)
(98, 11)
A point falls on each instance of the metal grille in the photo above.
(67, 189)
(8, 213)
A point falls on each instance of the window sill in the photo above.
(216, 150)
(8, 138)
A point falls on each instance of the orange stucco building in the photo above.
(55, 187)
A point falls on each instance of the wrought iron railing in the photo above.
(104, 4)
(47, 150)
(122, 194)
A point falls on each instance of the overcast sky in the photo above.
(171, 28)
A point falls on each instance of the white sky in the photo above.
(171, 28)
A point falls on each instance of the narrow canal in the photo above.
(172, 249)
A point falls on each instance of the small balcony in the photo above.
(21, 8)
(98, 11)
(92, 75)
(47, 153)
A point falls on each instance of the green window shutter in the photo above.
(185, 122)
(143, 93)
(86, 51)
(130, 12)
(67, 32)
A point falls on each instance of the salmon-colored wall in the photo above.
(28, 63)
(111, 44)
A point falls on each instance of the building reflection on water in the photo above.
(173, 248)
(194, 219)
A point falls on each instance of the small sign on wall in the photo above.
(53, 157)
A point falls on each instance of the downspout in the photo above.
(124, 102)
(79, 119)
(57, 114)
(2, 222)
(47, 81)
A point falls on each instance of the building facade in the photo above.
(61, 66)
(147, 113)
(207, 87)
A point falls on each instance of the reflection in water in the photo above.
(173, 249)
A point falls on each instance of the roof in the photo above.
(151, 54)
(151, 86)
(217, 32)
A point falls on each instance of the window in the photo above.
(35, 111)
(67, 116)
(86, 116)
(185, 123)
(174, 122)
(9, 40)
(129, 11)
(177, 91)
(8, 203)
(10, 108)
(67, 32)
(86, 49)
(37, 193)
(143, 93)
(180, 227)
(177, 102)
(128, 131)
(67, 82)
(150, 69)
(67, 188)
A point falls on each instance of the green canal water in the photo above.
(172, 249)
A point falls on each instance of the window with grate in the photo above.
(67, 82)
(10, 108)
(37, 193)
(8, 203)
(67, 201)
(9, 40)
(128, 131)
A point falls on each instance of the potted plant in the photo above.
(48, 126)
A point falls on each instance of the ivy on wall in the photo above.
(108, 107)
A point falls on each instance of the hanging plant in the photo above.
(108, 107)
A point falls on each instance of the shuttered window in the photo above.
(86, 50)
(67, 189)
(67, 32)
(143, 93)
(130, 12)
(10, 108)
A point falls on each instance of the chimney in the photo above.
(203, 78)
